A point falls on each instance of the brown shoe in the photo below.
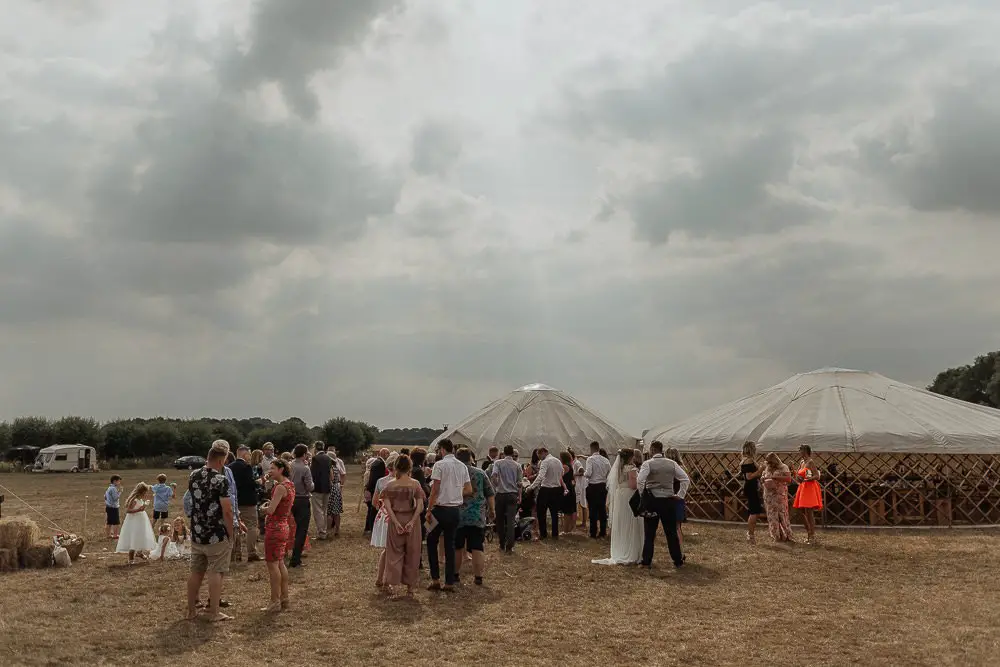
(253, 558)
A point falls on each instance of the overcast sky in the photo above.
(398, 211)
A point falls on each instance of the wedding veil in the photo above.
(614, 482)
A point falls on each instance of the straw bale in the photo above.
(8, 560)
(38, 555)
(18, 533)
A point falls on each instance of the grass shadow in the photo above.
(184, 636)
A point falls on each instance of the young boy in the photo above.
(162, 493)
(111, 500)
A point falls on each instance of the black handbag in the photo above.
(642, 505)
(635, 503)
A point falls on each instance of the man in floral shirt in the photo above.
(211, 531)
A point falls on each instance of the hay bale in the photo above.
(38, 556)
(18, 533)
(8, 560)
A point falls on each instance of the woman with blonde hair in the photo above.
(751, 488)
(776, 477)
(809, 495)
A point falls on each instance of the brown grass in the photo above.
(917, 598)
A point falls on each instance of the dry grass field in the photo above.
(879, 598)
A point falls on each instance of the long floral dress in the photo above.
(776, 503)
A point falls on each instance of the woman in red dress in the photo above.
(276, 534)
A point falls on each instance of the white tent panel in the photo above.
(840, 410)
(537, 415)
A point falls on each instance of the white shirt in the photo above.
(549, 473)
(453, 475)
(597, 469)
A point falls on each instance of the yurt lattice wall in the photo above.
(864, 489)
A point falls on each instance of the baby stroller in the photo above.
(523, 527)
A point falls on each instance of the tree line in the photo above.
(978, 382)
(161, 436)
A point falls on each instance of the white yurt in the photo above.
(534, 415)
(891, 453)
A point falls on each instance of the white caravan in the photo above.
(66, 458)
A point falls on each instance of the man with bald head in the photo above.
(375, 473)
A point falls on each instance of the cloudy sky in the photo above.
(398, 210)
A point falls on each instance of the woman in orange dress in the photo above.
(809, 496)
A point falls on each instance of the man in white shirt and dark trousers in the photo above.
(657, 476)
(450, 484)
(550, 489)
(596, 473)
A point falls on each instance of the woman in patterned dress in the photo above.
(277, 529)
(776, 477)
(335, 506)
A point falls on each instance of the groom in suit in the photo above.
(657, 476)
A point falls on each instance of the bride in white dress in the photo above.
(626, 528)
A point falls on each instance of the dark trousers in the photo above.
(506, 504)
(666, 514)
(370, 517)
(549, 500)
(301, 512)
(447, 525)
(597, 504)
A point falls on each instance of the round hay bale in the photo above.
(37, 556)
(18, 533)
(8, 560)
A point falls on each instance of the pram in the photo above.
(522, 529)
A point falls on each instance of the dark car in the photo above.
(189, 462)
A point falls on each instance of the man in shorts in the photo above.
(211, 531)
(475, 511)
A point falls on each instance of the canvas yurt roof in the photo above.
(840, 410)
(534, 415)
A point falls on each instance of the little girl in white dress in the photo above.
(136, 535)
(181, 538)
(165, 549)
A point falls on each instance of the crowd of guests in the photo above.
(443, 500)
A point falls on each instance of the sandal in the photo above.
(273, 607)
(285, 604)
(435, 586)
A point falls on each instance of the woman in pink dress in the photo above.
(776, 477)
(403, 500)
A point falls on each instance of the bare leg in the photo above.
(478, 563)
(214, 595)
(336, 524)
(274, 574)
(193, 586)
(459, 560)
(284, 584)
(380, 571)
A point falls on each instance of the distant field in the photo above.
(879, 598)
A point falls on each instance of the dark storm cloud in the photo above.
(437, 145)
(208, 172)
(730, 196)
(290, 40)
(950, 162)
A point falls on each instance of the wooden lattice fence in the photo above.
(865, 489)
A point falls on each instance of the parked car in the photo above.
(189, 462)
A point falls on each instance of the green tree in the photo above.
(194, 438)
(162, 438)
(118, 438)
(4, 436)
(77, 430)
(370, 432)
(31, 432)
(229, 433)
(978, 382)
(346, 436)
(257, 437)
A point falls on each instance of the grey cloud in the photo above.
(293, 39)
(437, 145)
(730, 196)
(950, 162)
(831, 304)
